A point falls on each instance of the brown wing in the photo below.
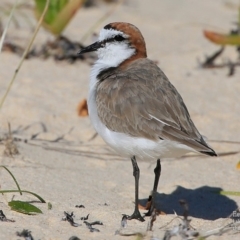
(141, 102)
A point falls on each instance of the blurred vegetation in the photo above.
(21, 206)
(233, 38)
(59, 13)
(229, 39)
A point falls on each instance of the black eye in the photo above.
(119, 38)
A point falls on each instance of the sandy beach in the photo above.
(63, 161)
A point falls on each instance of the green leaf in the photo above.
(24, 191)
(24, 207)
(13, 178)
(59, 13)
(54, 7)
(222, 39)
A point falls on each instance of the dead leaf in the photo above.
(238, 165)
(148, 205)
(82, 108)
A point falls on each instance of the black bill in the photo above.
(91, 48)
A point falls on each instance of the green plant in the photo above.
(225, 39)
(59, 13)
(20, 206)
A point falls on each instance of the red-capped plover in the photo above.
(134, 107)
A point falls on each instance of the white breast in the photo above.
(124, 144)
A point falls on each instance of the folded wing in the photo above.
(141, 102)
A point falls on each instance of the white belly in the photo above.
(130, 146)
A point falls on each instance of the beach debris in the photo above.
(3, 218)
(152, 219)
(233, 226)
(80, 206)
(124, 221)
(184, 229)
(89, 225)
(25, 234)
(84, 218)
(63, 48)
(236, 215)
(210, 60)
(49, 206)
(105, 204)
(74, 238)
(10, 145)
(69, 217)
(60, 49)
(123, 224)
(122, 231)
(13, 48)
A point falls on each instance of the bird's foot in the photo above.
(136, 215)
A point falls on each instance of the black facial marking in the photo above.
(119, 38)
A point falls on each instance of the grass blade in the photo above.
(24, 191)
(228, 193)
(7, 26)
(15, 180)
(25, 52)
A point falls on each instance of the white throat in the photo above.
(114, 53)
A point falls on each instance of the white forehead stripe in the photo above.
(110, 33)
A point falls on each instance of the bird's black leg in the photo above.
(157, 172)
(136, 173)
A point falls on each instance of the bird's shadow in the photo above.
(204, 202)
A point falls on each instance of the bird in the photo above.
(134, 107)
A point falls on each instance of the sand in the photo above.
(68, 168)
